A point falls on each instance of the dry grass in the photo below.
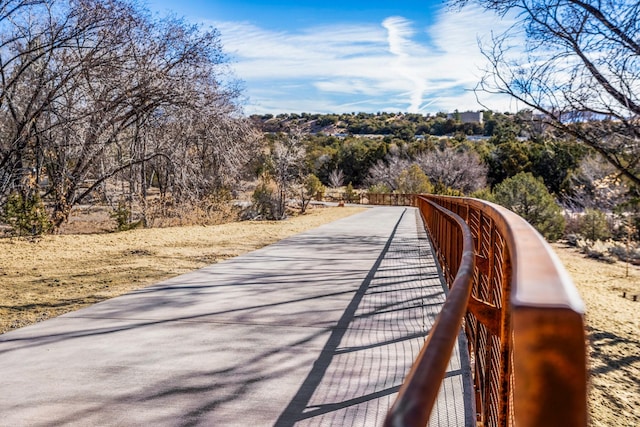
(62, 273)
(613, 324)
(58, 274)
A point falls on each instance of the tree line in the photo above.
(399, 125)
(522, 166)
(515, 146)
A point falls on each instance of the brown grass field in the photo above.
(61, 273)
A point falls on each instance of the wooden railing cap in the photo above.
(539, 278)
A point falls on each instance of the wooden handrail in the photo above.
(524, 321)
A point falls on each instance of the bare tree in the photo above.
(208, 149)
(99, 109)
(95, 90)
(596, 185)
(31, 36)
(336, 178)
(386, 172)
(285, 165)
(453, 168)
(580, 69)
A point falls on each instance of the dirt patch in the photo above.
(613, 327)
(61, 273)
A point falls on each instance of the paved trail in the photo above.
(316, 330)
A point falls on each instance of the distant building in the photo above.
(467, 116)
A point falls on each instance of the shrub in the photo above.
(413, 181)
(350, 194)
(529, 198)
(483, 194)
(379, 189)
(620, 250)
(443, 190)
(597, 250)
(572, 239)
(313, 187)
(264, 201)
(26, 214)
(122, 215)
(593, 225)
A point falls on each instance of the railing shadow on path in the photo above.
(335, 392)
(295, 411)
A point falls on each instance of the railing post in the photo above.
(506, 369)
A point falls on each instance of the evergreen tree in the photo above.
(528, 197)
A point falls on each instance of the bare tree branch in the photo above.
(580, 70)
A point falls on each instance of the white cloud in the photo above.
(388, 65)
(399, 36)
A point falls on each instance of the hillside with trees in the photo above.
(384, 153)
(403, 126)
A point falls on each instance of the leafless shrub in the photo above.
(386, 172)
(454, 169)
(336, 178)
(597, 185)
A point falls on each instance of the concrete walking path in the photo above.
(316, 330)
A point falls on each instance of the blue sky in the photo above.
(350, 56)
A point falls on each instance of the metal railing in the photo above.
(523, 319)
(388, 199)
